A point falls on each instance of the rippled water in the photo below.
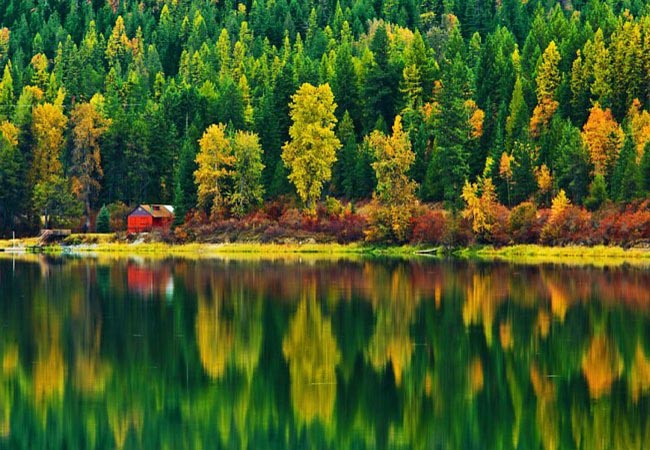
(137, 353)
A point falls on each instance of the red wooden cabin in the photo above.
(150, 217)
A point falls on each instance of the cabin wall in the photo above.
(138, 224)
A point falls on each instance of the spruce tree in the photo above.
(103, 220)
(625, 180)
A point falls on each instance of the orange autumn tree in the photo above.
(475, 118)
(604, 137)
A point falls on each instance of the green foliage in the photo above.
(167, 71)
(103, 220)
(597, 193)
(56, 203)
(247, 190)
(625, 180)
(644, 169)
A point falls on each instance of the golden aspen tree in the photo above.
(215, 160)
(310, 153)
(393, 159)
(48, 125)
(89, 124)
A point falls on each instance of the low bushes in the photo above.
(417, 224)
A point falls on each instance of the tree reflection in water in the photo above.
(101, 353)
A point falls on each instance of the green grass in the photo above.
(108, 245)
(598, 255)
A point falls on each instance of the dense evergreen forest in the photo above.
(474, 104)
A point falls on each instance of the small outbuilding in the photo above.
(150, 217)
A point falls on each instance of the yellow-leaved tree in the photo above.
(548, 80)
(215, 160)
(393, 158)
(89, 125)
(310, 153)
(48, 125)
(481, 203)
(639, 126)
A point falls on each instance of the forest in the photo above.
(386, 120)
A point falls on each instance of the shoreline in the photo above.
(533, 253)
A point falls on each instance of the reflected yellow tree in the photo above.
(10, 360)
(50, 367)
(90, 372)
(639, 377)
(214, 335)
(601, 366)
(396, 300)
(546, 412)
(484, 294)
(312, 354)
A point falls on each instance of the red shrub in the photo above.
(430, 227)
(572, 226)
(499, 234)
(291, 218)
(275, 209)
(345, 228)
(623, 226)
(460, 232)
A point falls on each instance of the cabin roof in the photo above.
(154, 210)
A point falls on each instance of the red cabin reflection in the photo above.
(149, 281)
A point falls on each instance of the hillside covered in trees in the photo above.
(511, 114)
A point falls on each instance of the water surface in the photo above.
(363, 354)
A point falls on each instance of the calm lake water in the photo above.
(137, 353)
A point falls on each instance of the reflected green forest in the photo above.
(362, 354)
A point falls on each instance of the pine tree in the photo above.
(625, 180)
(449, 163)
(185, 197)
(644, 169)
(517, 122)
(381, 82)
(572, 165)
(103, 220)
(344, 171)
(597, 193)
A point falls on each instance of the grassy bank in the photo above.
(573, 255)
(108, 244)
